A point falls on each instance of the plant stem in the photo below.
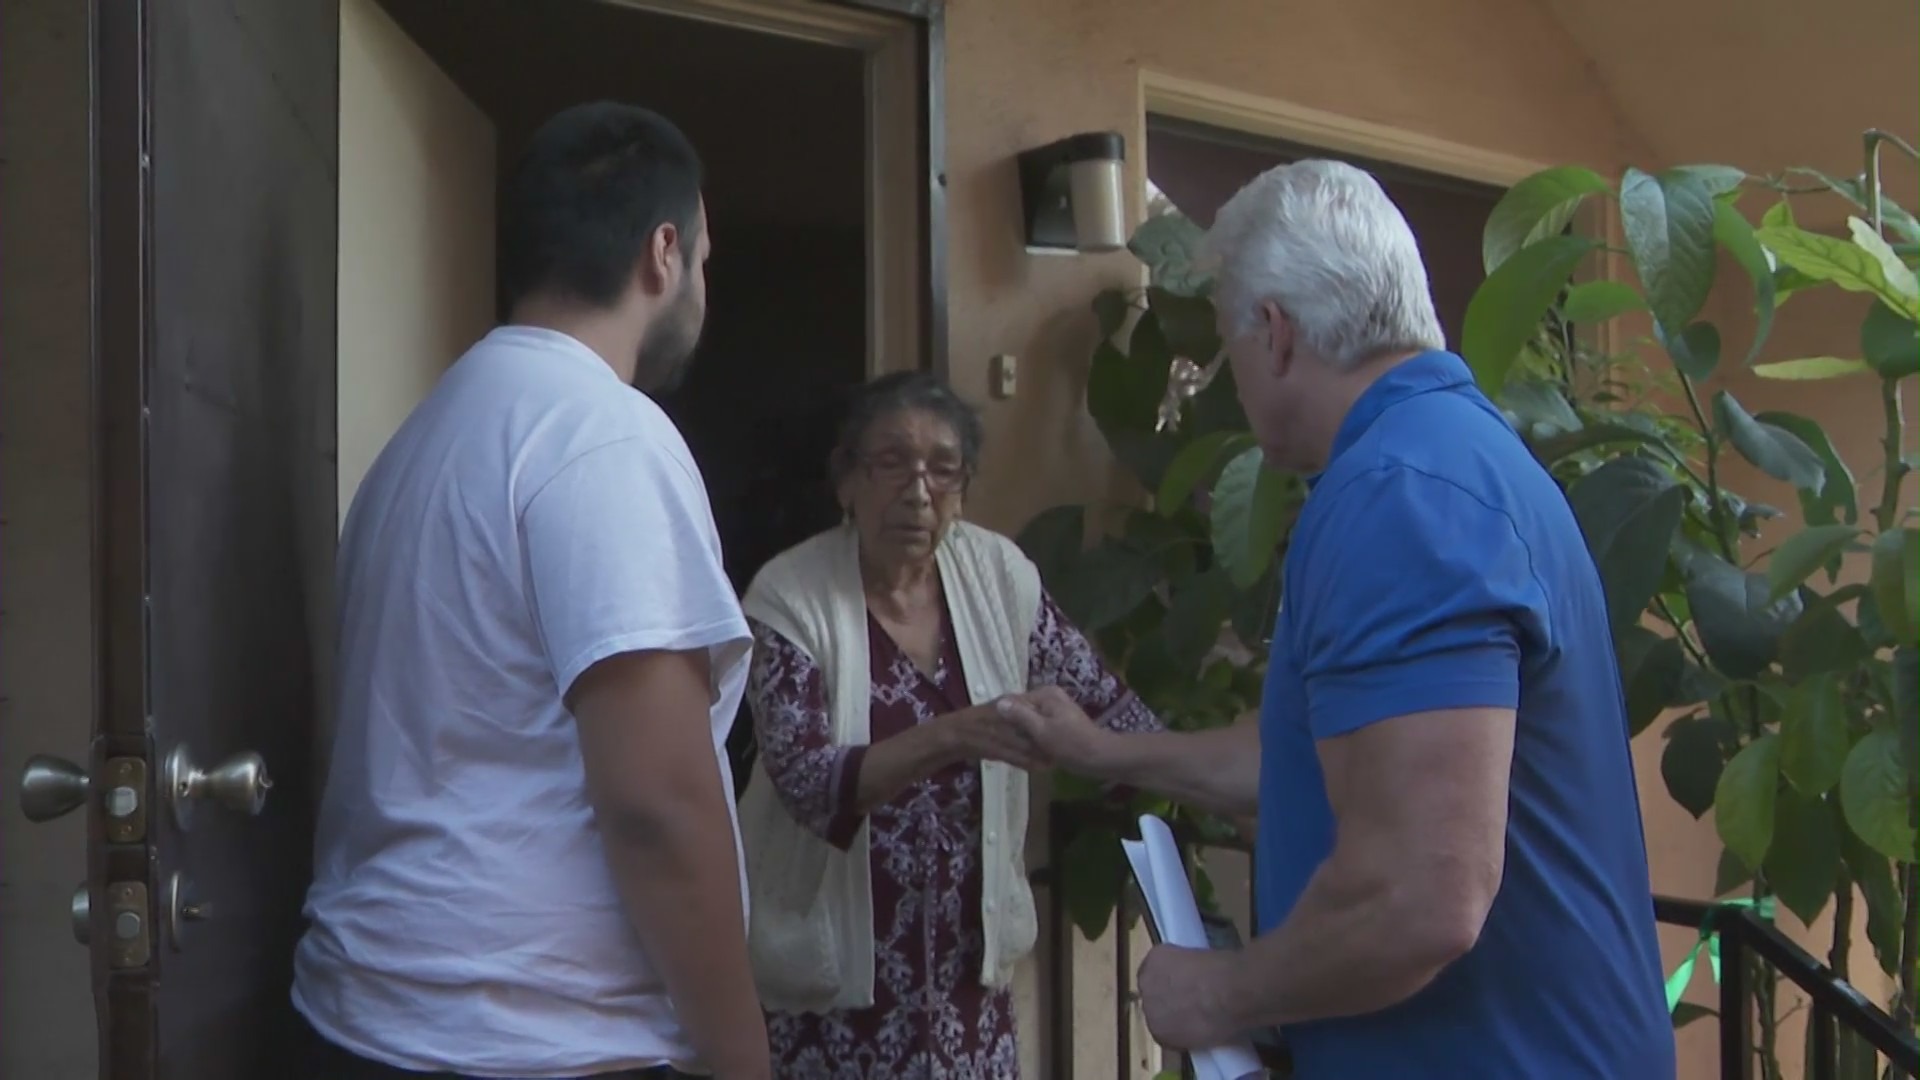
(1838, 957)
(1716, 505)
(1887, 514)
(1666, 612)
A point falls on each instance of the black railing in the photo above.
(1836, 1005)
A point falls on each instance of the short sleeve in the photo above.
(622, 556)
(1411, 595)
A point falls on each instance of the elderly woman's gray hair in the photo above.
(1322, 241)
(906, 390)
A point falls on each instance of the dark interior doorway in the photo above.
(780, 124)
(1199, 167)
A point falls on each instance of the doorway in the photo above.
(436, 103)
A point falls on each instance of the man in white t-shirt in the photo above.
(527, 863)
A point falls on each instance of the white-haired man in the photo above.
(1452, 876)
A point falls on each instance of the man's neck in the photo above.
(1341, 391)
(616, 345)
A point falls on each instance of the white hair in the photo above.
(1321, 240)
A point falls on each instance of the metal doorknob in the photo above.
(239, 783)
(51, 786)
(80, 910)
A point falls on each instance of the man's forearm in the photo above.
(1353, 944)
(1216, 770)
(679, 878)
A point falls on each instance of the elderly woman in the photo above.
(886, 817)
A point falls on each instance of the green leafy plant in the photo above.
(1796, 690)
(1180, 594)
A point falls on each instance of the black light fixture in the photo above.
(1070, 191)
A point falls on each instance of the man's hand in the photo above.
(1057, 728)
(989, 733)
(1182, 992)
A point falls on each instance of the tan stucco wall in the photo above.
(417, 168)
(1498, 75)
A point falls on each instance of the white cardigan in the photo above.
(811, 925)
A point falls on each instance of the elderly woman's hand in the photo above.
(1058, 728)
(985, 733)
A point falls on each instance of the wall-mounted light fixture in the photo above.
(1070, 191)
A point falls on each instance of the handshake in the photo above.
(1038, 730)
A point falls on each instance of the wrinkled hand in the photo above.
(1058, 727)
(1181, 993)
(987, 733)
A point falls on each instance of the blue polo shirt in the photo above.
(1436, 565)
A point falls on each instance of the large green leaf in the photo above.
(1719, 179)
(1668, 221)
(1730, 873)
(1803, 863)
(1124, 389)
(1738, 621)
(1693, 762)
(1107, 583)
(1831, 259)
(1873, 792)
(1534, 209)
(1598, 301)
(1812, 368)
(1803, 553)
(1890, 343)
(1650, 670)
(1539, 408)
(1110, 309)
(1896, 581)
(1255, 609)
(1774, 450)
(1821, 640)
(1835, 501)
(1187, 323)
(1744, 800)
(1695, 350)
(1813, 736)
(1251, 504)
(1628, 509)
(1732, 232)
(1555, 447)
(1169, 244)
(1899, 278)
(1053, 540)
(1506, 309)
(1896, 216)
(1192, 465)
(1090, 868)
(1196, 616)
(1873, 875)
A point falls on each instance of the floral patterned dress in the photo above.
(931, 1018)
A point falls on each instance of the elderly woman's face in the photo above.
(906, 484)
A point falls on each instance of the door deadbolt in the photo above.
(239, 783)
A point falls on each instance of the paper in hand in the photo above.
(1155, 859)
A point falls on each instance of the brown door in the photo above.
(214, 522)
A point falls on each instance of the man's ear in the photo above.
(661, 262)
(1280, 334)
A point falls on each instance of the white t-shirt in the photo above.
(533, 516)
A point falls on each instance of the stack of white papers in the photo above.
(1170, 904)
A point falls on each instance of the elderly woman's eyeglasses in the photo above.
(893, 470)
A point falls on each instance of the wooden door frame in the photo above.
(906, 157)
(1178, 98)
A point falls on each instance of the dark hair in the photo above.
(584, 200)
(895, 392)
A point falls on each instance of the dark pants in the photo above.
(330, 1062)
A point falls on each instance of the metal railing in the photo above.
(1836, 1004)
